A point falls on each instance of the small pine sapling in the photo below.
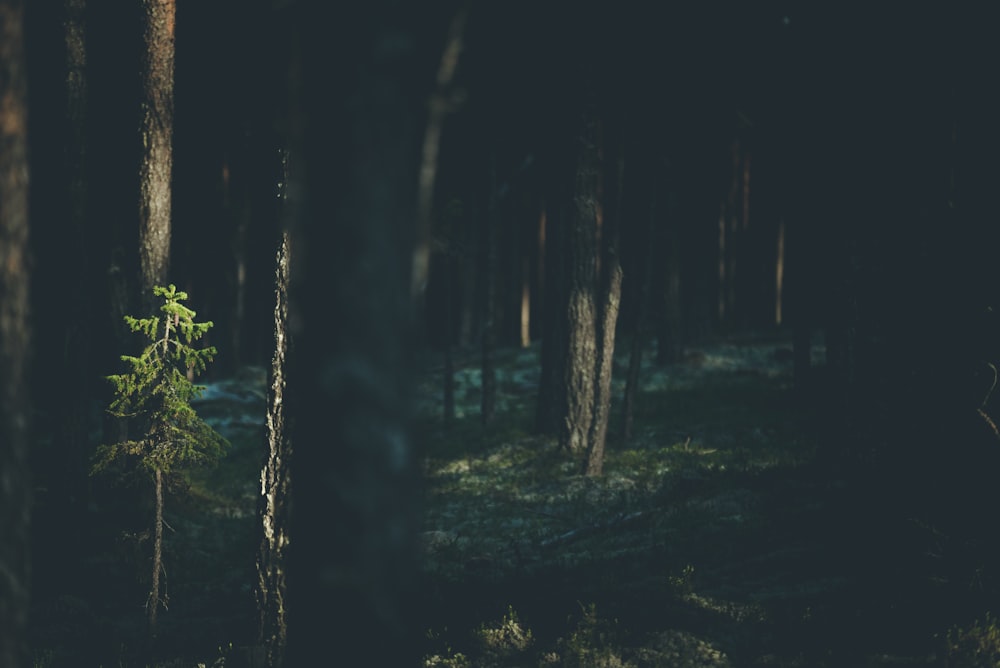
(155, 395)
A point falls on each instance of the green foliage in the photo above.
(506, 640)
(977, 646)
(155, 394)
(682, 583)
(593, 643)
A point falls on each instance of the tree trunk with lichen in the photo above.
(15, 338)
(156, 133)
(275, 484)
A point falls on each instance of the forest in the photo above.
(489, 335)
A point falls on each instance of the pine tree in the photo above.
(155, 396)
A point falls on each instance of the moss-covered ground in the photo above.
(718, 536)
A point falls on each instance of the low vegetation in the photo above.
(719, 536)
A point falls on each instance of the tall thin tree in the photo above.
(609, 290)
(156, 133)
(274, 503)
(637, 322)
(73, 405)
(581, 265)
(15, 339)
(275, 482)
(352, 580)
(491, 222)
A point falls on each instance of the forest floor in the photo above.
(716, 537)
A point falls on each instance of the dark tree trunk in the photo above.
(551, 385)
(492, 222)
(607, 313)
(597, 438)
(468, 317)
(15, 339)
(668, 344)
(442, 101)
(581, 308)
(156, 133)
(842, 398)
(76, 388)
(449, 361)
(637, 325)
(352, 576)
(525, 329)
(153, 602)
(236, 207)
(275, 482)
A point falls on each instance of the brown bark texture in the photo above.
(581, 309)
(15, 339)
(607, 315)
(594, 464)
(153, 602)
(156, 132)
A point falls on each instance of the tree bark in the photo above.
(15, 340)
(275, 483)
(607, 315)
(597, 438)
(156, 133)
(153, 602)
(581, 308)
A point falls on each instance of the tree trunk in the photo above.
(449, 359)
(492, 222)
(594, 464)
(352, 561)
(156, 133)
(607, 315)
(238, 208)
(551, 384)
(275, 483)
(638, 324)
(581, 310)
(153, 602)
(15, 339)
(669, 346)
(75, 389)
